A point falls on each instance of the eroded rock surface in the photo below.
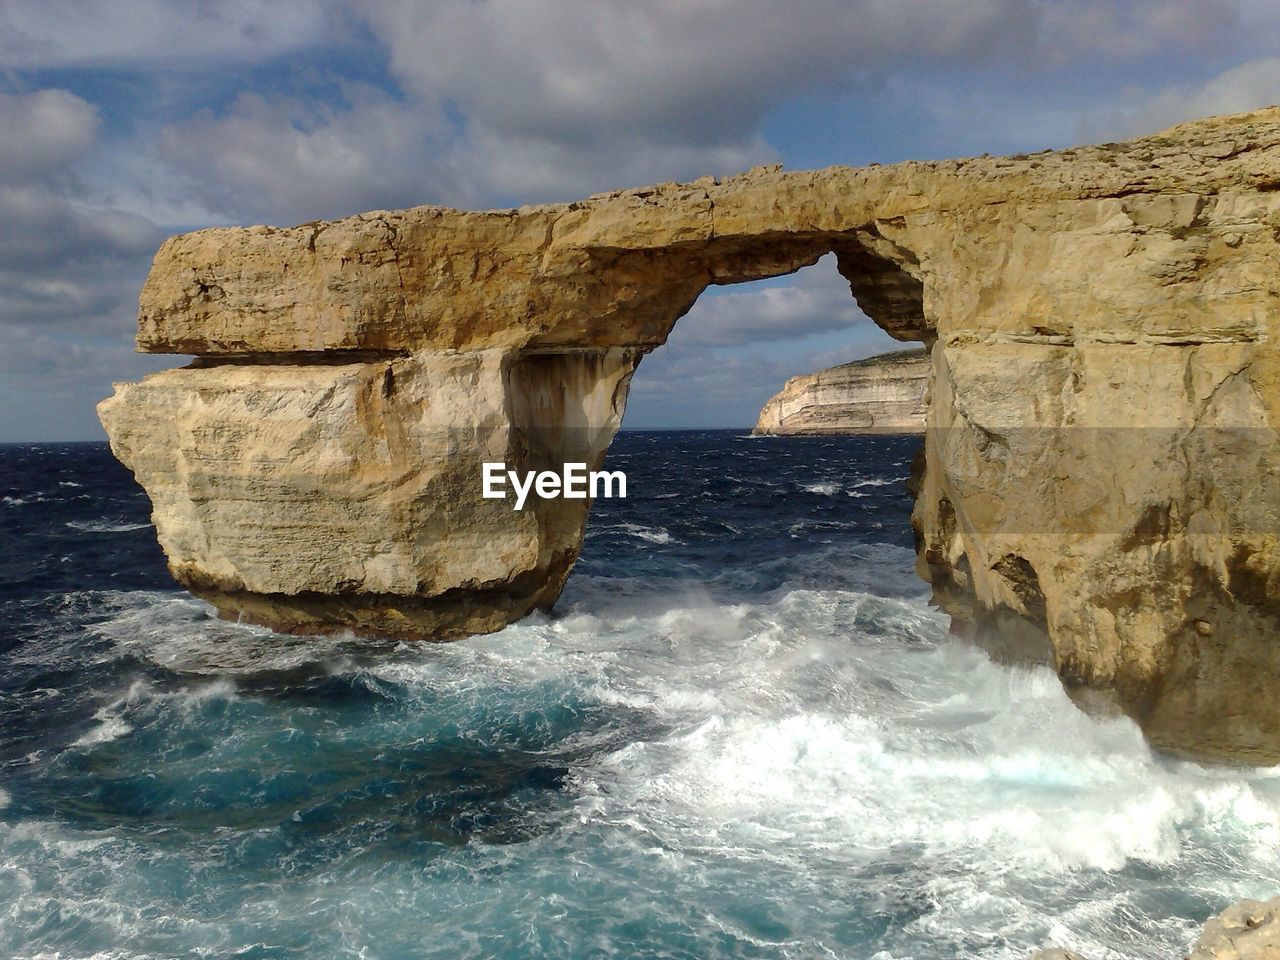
(1098, 484)
(881, 394)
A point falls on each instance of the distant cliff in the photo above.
(882, 394)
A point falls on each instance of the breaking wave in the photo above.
(105, 526)
(717, 746)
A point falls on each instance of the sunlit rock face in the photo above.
(883, 394)
(1097, 486)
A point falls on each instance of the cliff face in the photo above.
(883, 394)
(1099, 460)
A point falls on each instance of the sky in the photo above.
(125, 121)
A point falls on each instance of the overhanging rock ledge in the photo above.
(1098, 482)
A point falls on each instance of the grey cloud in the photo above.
(701, 387)
(1087, 29)
(67, 263)
(43, 132)
(535, 169)
(283, 160)
(667, 71)
(61, 258)
(287, 160)
(518, 101)
(70, 266)
(173, 33)
(46, 229)
(818, 300)
(508, 101)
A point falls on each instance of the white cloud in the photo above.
(175, 33)
(508, 101)
(43, 131)
(391, 103)
(1245, 87)
(665, 71)
(558, 95)
(286, 159)
(693, 380)
(817, 300)
(696, 386)
(1131, 29)
(71, 261)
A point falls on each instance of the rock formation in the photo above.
(1249, 930)
(883, 394)
(1098, 481)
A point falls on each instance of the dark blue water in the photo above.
(743, 733)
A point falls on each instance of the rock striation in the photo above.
(1097, 486)
(881, 394)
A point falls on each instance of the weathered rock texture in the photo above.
(884, 394)
(1100, 458)
(1249, 930)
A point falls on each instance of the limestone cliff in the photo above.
(882, 394)
(1100, 453)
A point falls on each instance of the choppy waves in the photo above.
(817, 772)
(703, 753)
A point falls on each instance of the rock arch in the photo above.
(1101, 441)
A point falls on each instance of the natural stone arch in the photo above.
(1100, 437)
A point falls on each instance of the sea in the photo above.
(742, 732)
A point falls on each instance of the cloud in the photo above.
(504, 102)
(123, 121)
(682, 386)
(561, 98)
(70, 266)
(712, 371)
(49, 385)
(1245, 87)
(46, 230)
(665, 71)
(500, 102)
(292, 160)
(817, 300)
(43, 132)
(63, 256)
(182, 34)
(1133, 29)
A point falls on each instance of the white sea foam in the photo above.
(879, 481)
(818, 758)
(182, 634)
(105, 526)
(110, 728)
(826, 489)
(649, 534)
(796, 742)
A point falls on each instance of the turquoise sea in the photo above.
(743, 733)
